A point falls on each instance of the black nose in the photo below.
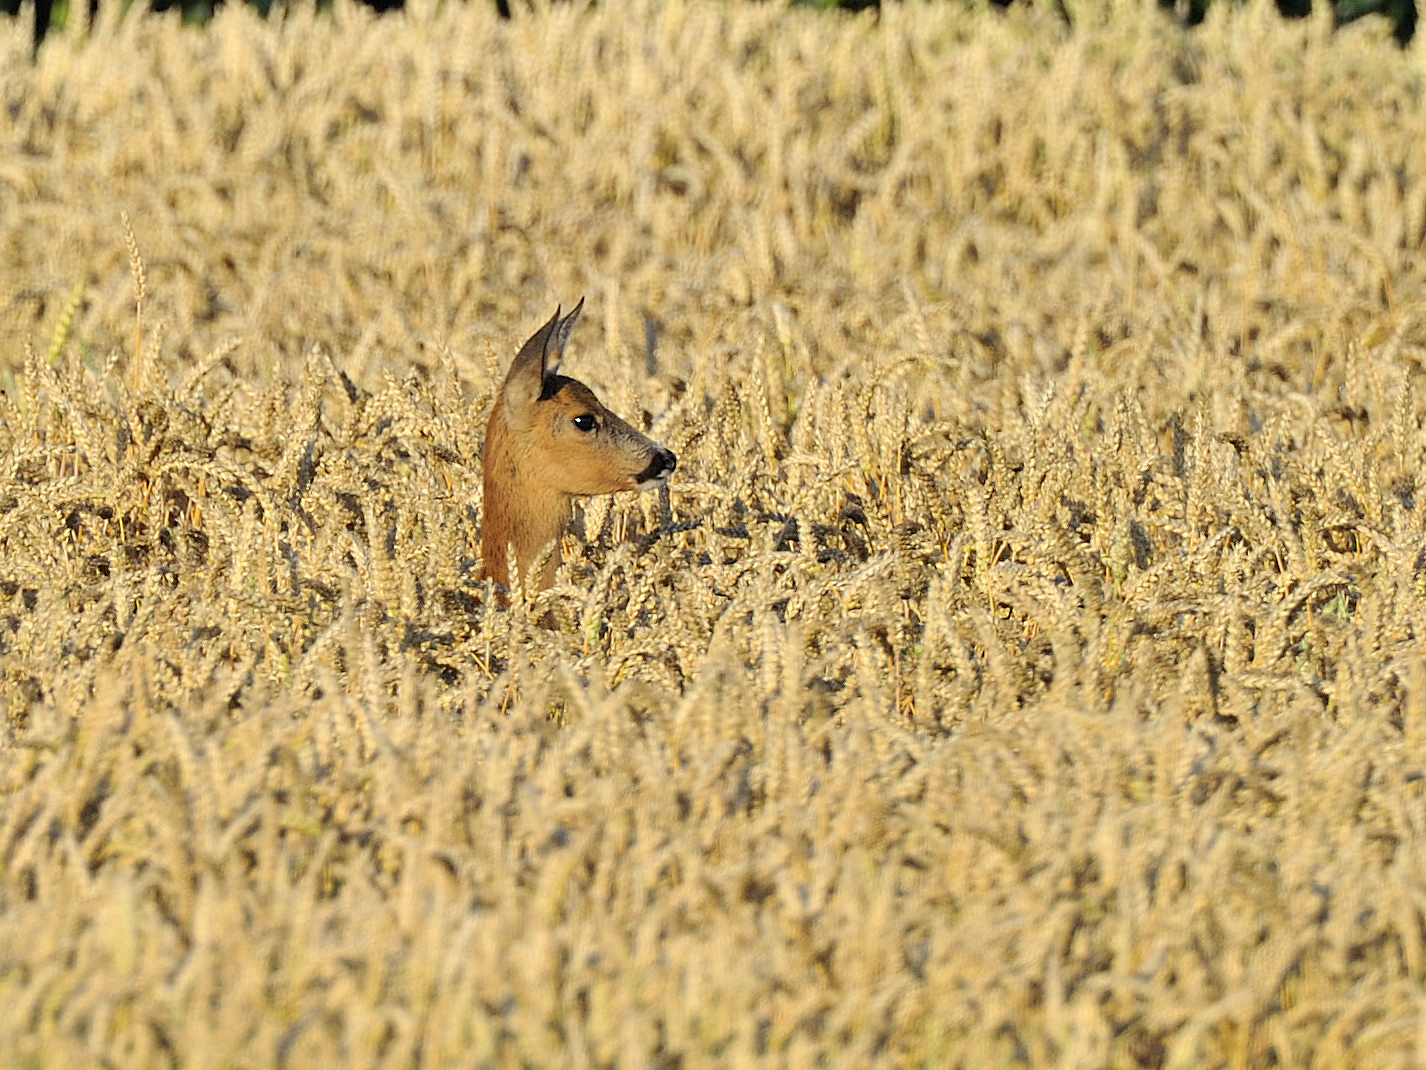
(663, 463)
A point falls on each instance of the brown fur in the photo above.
(538, 460)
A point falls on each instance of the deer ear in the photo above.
(526, 379)
(559, 338)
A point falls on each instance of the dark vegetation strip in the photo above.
(52, 14)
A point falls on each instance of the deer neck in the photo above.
(529, 530)
(520, 511)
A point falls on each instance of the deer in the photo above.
(550, 440)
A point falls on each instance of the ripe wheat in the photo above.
(1024, 668)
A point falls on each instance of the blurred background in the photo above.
(1401, 13)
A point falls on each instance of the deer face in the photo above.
(560, 436)
(579, 447)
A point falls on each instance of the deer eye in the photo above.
(585, 422)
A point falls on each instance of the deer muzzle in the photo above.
(658, 470)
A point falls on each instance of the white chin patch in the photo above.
(650, 484)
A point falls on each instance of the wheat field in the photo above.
(1024, 669)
